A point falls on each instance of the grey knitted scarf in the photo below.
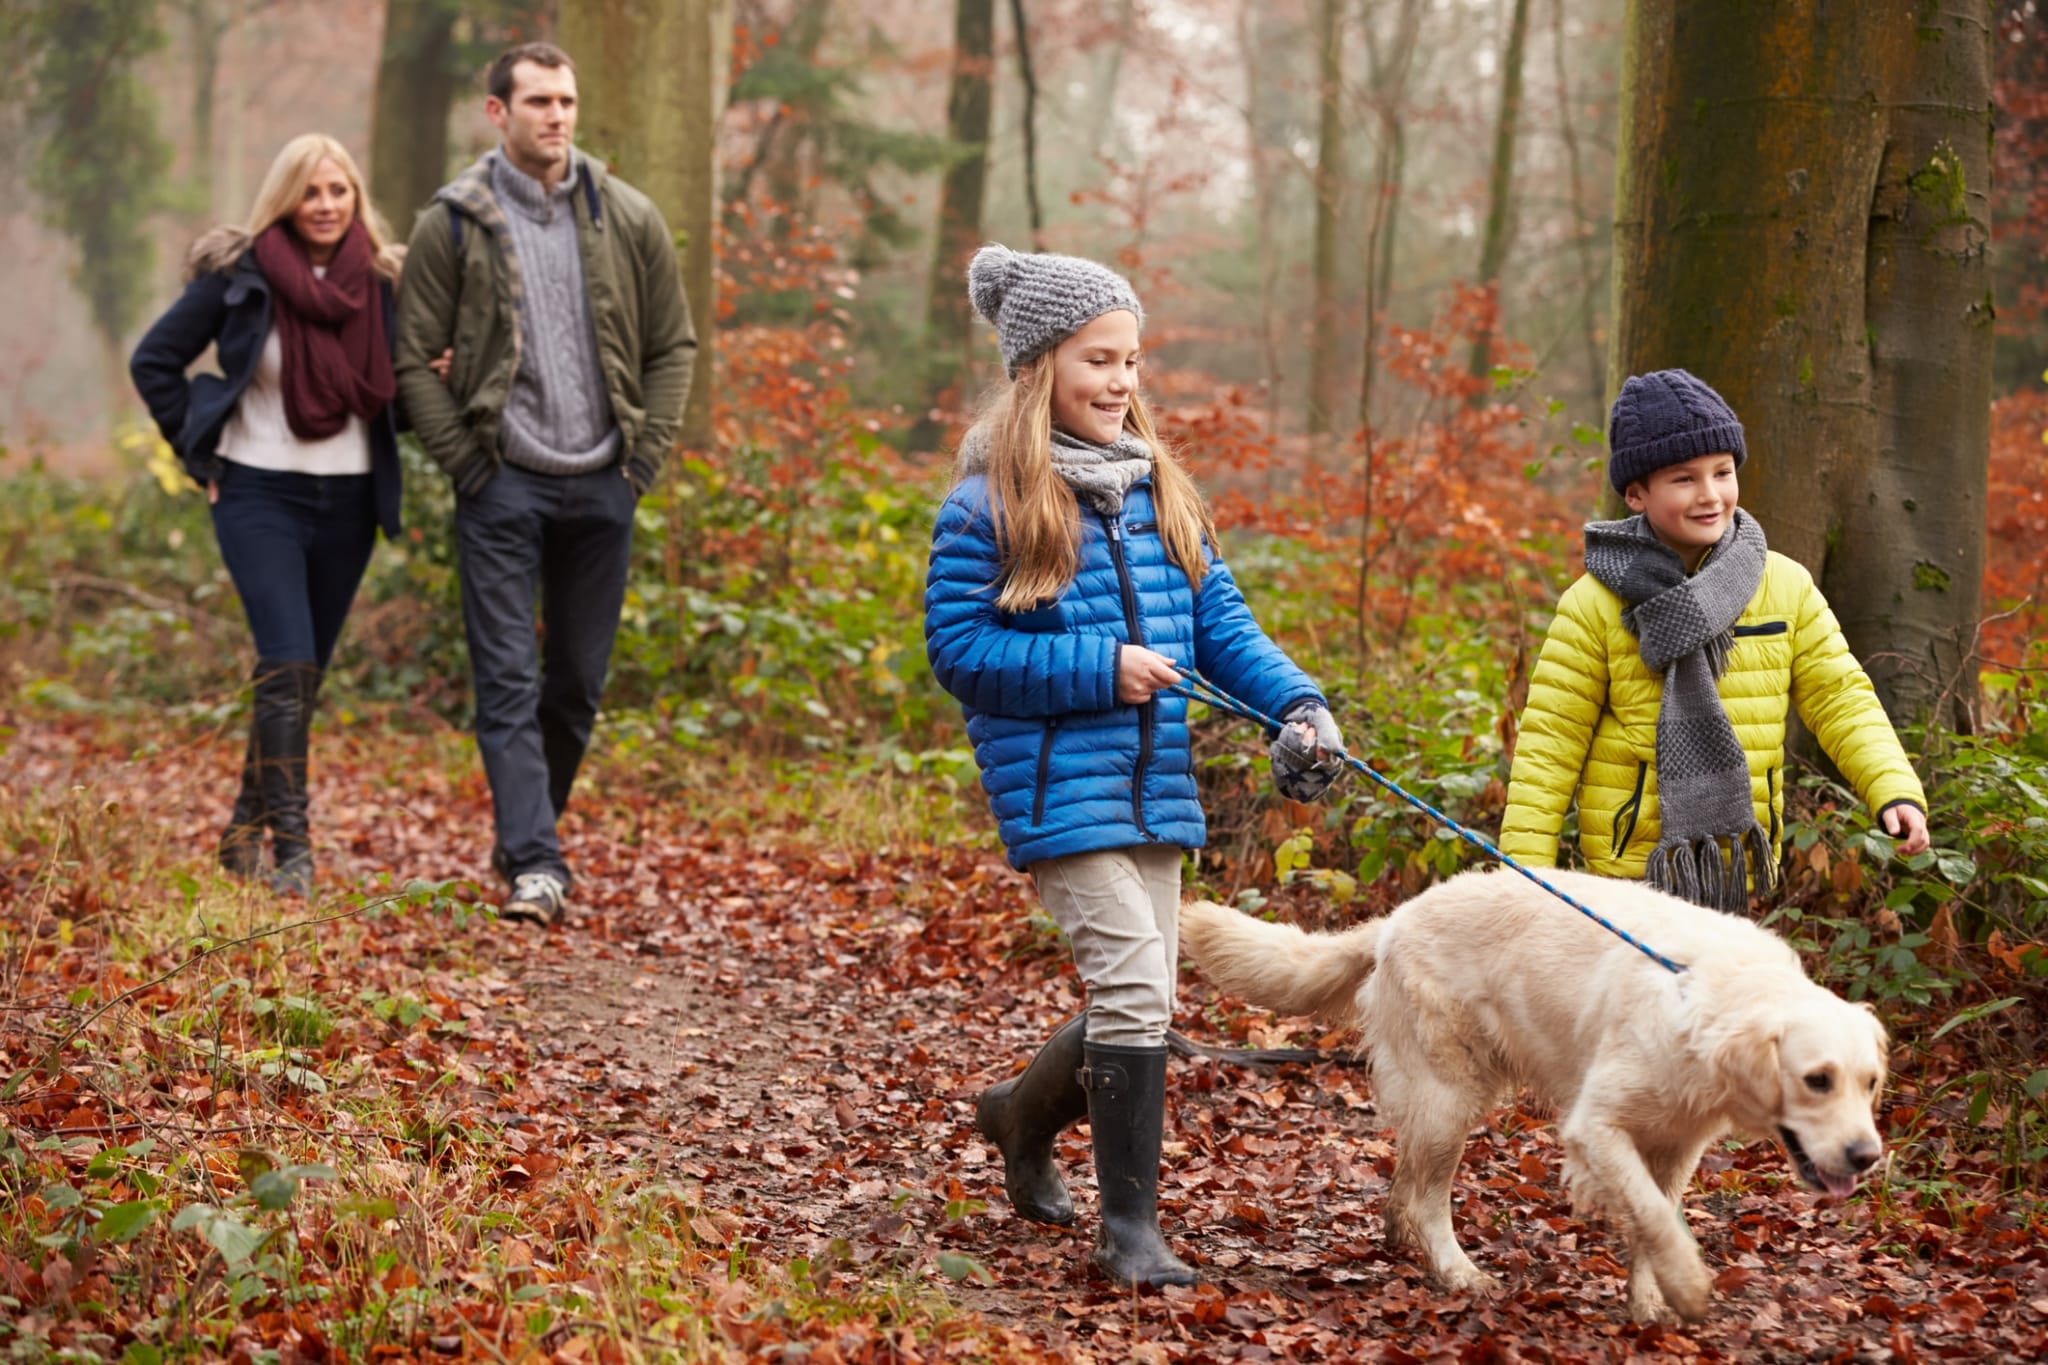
(1682, 625)
(1099, 475)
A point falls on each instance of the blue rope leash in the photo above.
(1198, 688)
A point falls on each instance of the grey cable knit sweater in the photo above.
(558, 419)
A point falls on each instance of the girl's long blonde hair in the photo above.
(1036, 518)
(284, 185)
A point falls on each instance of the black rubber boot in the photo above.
(1126, 1110)
(1023, 1115)
(241, 843)
(284, 714)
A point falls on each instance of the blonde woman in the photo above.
(295, 442)
(1073, 572)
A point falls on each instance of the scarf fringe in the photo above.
(1719, 876)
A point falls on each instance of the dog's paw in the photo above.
(1646, 1302)
(1464, 1279)
(1686, 1287)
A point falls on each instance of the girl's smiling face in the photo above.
(1094, 374)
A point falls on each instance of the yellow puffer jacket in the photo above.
(1591, 723)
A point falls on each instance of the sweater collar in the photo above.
(523, 194)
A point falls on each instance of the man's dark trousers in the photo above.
(567, 539)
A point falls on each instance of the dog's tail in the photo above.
(1279, 966)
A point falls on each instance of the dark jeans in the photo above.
(296, 546)
(567, 540)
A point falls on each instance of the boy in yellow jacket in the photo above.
(1660, 696)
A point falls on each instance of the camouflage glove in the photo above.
(1303, 769)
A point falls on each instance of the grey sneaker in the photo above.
(537, 898)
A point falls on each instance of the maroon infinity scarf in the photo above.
(331, 331)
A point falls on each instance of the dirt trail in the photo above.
(802, 1037)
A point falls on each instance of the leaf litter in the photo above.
(784, 1041)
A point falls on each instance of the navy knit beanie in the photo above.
(1665, 418)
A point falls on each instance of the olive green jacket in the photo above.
(461, 289)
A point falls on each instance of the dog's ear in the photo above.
(1746, 1063)
(1884, 1039)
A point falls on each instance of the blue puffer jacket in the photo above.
(1068, 769)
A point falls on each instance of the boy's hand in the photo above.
(1140, 672)
(1908, 824)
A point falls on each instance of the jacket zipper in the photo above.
(1044, 772)
(1115, 526)
(1634, 808)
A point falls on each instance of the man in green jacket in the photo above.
(553, 292)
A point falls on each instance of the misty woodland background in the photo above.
(1396, 255)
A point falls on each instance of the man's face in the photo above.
(538, 121)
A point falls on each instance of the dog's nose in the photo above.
(1861, 1156)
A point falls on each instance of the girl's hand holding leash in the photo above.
(1140, 672)
(1308, 753)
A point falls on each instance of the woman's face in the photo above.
(325, 211)
(1094, 374)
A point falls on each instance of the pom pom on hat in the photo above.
(988, 279)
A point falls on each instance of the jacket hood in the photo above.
(216, 249)
(470, 192)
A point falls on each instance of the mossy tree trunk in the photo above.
(416, 79)
(1329, 187)
(949, 318)
(1801, 220)
(1500, 187)
(652, 81)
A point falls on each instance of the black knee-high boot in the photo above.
(1126, 1111)
(241, 843)
(284, 712)
(1024, 1115)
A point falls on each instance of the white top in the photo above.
(257, 434)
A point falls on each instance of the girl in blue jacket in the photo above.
(1073, 572)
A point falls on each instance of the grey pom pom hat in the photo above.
(1037, 300)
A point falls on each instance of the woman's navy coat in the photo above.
(230, 309)
(1069, 769)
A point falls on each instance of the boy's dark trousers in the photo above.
(566, 539)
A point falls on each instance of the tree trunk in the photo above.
(949, 318)
(1802, 223)
(1500, 189)
(1590, 268)
(1259, 118)
(409, 120)
(1390, 71)
(1329, 187)
(1906, 572)
(1104, 99)
(1029, 124)
(205, 29)
(652, 82)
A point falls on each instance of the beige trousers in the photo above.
(1120, 911)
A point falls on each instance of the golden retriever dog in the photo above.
(1487, 983)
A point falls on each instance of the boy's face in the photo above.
(1690, 505)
